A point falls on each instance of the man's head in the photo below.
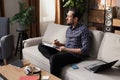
(73, 16)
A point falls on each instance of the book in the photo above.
(45, 77)
(50, 45)
(33, 77)
(47, 44)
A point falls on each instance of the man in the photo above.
(74, 50)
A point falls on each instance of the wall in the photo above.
(12, 7)
(47, 13)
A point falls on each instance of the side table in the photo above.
(22, 36)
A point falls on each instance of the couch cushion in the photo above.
(83, 74)
(96, 39)
(35, 57)
(110, 48)
(55, 31)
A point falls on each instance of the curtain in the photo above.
(2, 12)
(58, 12)
(34, 30)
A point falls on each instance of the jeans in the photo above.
(59, 59)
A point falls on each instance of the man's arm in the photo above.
(85, 41)
(70, 50)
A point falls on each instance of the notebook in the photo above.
(100, 66)
(32, 77)
(49, 45)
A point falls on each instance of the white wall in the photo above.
(12, 7)
(47, 13)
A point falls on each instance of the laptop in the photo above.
(100, 67)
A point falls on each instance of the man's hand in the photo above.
(56, 42)
(70, 50)
(61, 48)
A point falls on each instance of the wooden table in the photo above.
(14, 73)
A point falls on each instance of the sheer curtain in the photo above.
(47, 13)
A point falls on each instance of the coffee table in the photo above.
(14, 73)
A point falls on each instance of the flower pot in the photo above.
(21, 27)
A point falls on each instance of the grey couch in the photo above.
(105, 46)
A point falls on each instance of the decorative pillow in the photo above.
(55, 31)
(96, 39)
(110, 48)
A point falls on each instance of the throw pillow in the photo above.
(96, 39)
(53, 32)
(110, 48)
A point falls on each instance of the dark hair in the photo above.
(76, 13)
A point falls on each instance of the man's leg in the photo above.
(46, 51)
(58, 61)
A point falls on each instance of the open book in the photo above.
(50, 45)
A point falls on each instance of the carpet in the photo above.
(10, 60)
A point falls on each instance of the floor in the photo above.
(11, 59)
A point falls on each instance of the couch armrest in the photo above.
(32, 41)
(7, 45)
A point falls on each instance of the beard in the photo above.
(69, 23)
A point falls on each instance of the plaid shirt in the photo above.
(78, 37)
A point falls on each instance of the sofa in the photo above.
(104, 46)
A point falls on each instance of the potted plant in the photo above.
(24, 17)
(80, 4)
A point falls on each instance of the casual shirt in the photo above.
(78, 37)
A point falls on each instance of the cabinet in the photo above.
(96, 14)
(116, 25)
(96, 19)
(116, 19)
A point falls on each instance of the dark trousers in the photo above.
(59, 59)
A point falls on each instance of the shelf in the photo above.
(96, 16)
(116, 22)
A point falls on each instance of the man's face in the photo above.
(69, 18)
